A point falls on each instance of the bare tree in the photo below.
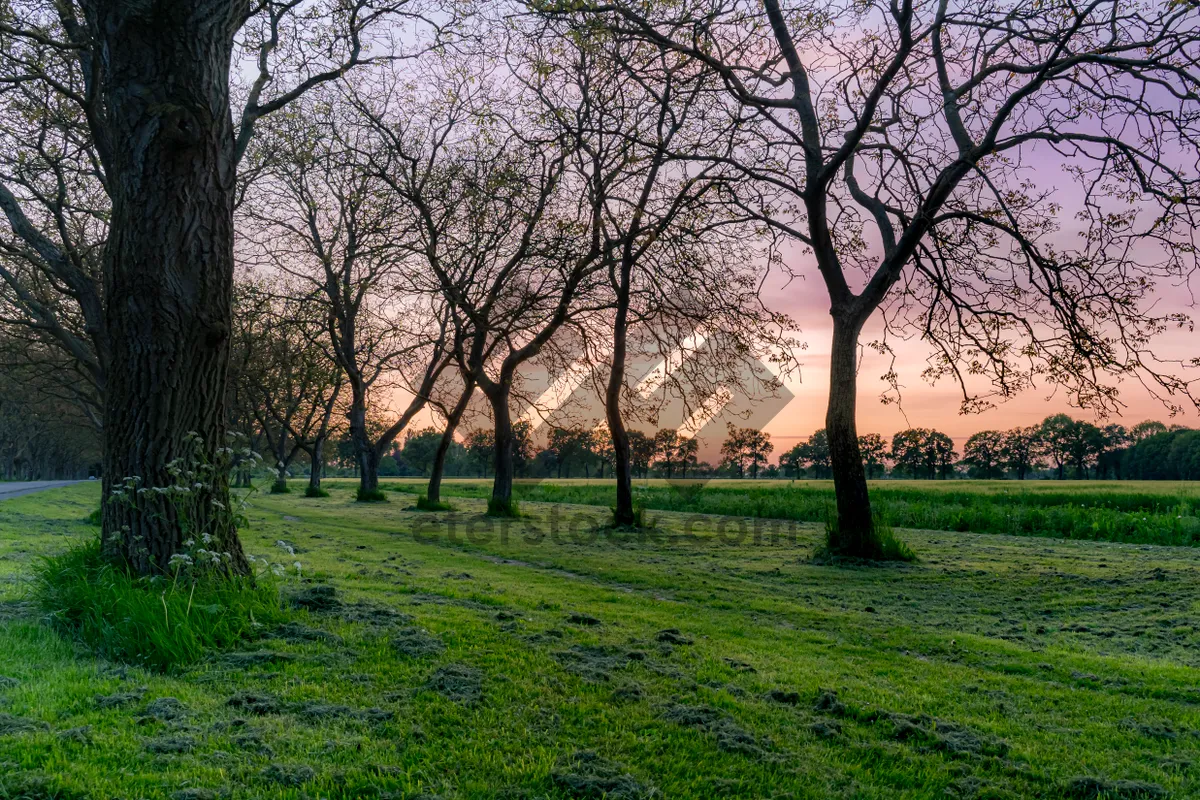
(151, 82)
(899, 146)
(281, 365)
(319, 216)
(505, 222)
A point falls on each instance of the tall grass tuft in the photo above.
(315, 491)
(641, 520)
(888, 546)
(161, 623)
(425, 504)
(371, 495)
(503, 508)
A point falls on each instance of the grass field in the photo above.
(467, 657)
(1145, 512)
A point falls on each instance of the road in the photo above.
(10, 490)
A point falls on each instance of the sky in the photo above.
(934, 406)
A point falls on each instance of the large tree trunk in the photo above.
(434, 491)
(505, 445)
(855, 531)
(163, 79)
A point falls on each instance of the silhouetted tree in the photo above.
(984, 454)
(874, 453)
(1023, 449)
(746, 448)
(923, 453)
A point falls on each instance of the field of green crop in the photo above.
(451, 655)
(1144, 512)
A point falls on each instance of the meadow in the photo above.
(1144, 512)
(452, 655)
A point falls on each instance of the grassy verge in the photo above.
(158, 623)
(475, 657)
(1112, 513)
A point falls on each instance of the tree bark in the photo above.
(855, 532)
(434, 491)
(366, 457)
(162, 75)
(505, 445)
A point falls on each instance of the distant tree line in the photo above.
(44, 433)
(1060, 447)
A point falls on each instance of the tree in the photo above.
(746, 448)
(281, 373)
(1022, 450)
(603, 448)
(148, 87)
(481, 448)
(667, 455)
(420, 448)
(687, 455)
(815, 453)
(1167, 455)
(792, 462)
(641, 453)
(874, 453)
(44, 435)
(923, 453)
(984, 454)
(1085, 444)
(1146, 429)
(503, 208)
(1057, 434)
(454, 416)
(1116, 440)
(571, 445)
(320, 217)
(675, 251)
(897, 142)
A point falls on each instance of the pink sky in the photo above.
(934, 406)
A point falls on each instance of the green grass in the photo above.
(311, 491)
(371, 496)
(698, 657)
(425, 504)
(888, 546)
(158, 623)
(497, 507)
(1143, 512)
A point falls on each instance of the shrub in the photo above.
(161, 623)
(371, 496)
(503, 508)
(315, 491)
(425, 504)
